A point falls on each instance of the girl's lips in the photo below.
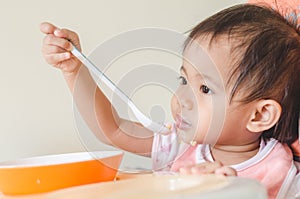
(182, 123)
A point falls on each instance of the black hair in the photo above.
(269, 67)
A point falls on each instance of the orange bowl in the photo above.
(51, 172)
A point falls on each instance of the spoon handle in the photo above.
(144, 120)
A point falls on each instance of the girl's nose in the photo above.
(186, 104)
(180, 102)
(185, 98)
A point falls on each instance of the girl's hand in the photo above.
(209, 168)
(56, 48)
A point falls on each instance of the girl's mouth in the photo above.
(182, 123)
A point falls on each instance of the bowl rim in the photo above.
(58, 159)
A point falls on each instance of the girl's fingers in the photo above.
(200, 170)
(49, 49)
(203, 168)
(207, 167)
(52, 40)
(185, 170)
(47, 28)
(55, 59)
(57, 45)
(68, 35)
(226, 171)
(63, 38)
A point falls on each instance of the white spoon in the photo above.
(144, 120)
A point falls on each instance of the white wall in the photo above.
(36, 107)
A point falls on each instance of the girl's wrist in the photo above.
(71, 73)
(70, 77)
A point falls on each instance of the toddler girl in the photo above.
(257, 55)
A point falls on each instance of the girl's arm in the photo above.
(92, 104)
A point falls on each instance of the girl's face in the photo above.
(200, 106)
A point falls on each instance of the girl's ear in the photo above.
(265, 114)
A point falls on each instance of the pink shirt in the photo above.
(273, 165)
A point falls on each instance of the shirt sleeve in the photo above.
(294, 191)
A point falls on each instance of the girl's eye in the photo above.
(205, 89)
(182, 80)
